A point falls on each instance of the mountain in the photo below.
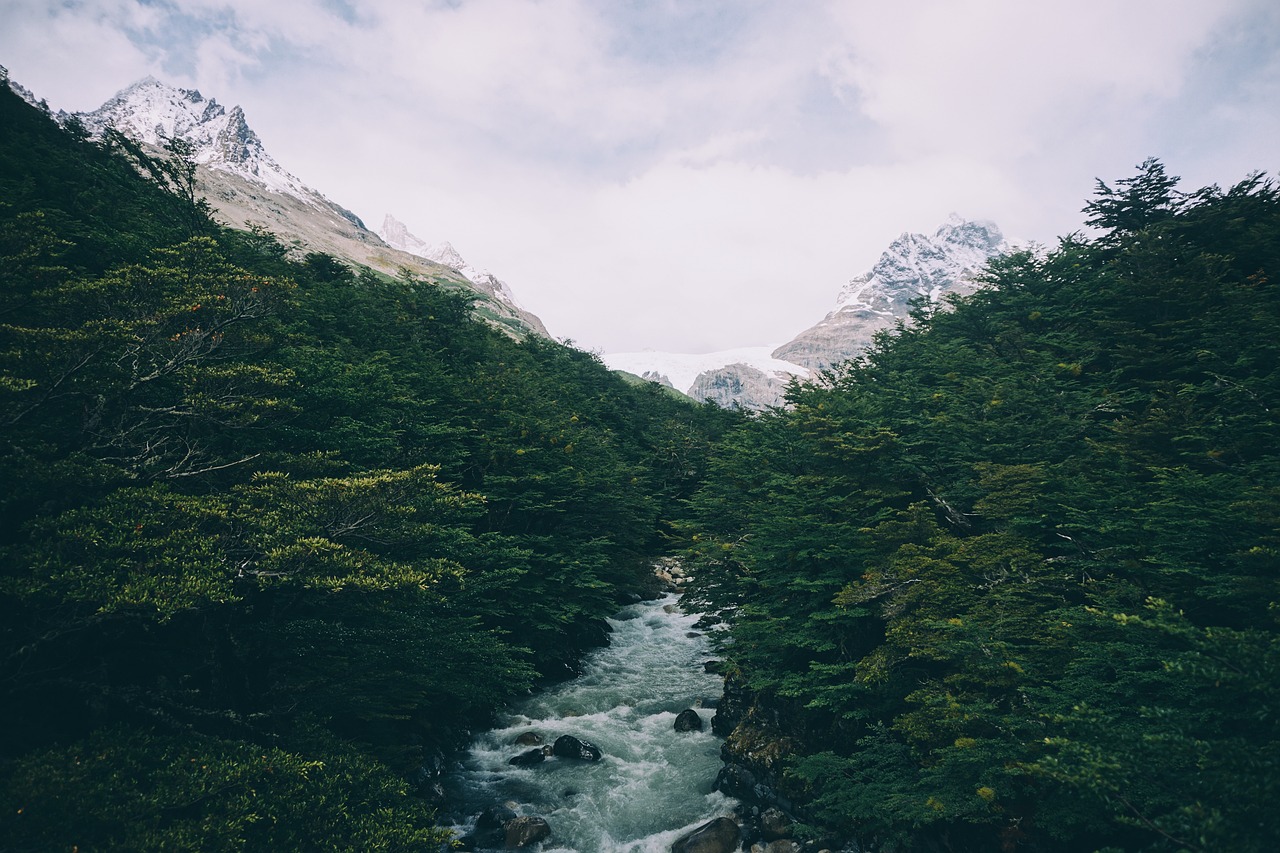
(745, 376)
(914, 266)
(246, 186)
(396, 235)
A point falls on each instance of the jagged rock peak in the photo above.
(154, 112)
(21, 91)
(397, 236)
(914, 265)
(922, 265)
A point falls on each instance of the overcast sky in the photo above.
(693, 175)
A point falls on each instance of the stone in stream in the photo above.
(528, 739)
(719, 836)
(688, 721)
(568, 746)
(523, 831)
(491, 826)
(714, 667)
(531, 757)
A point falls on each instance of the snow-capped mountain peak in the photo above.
(154, 112)
(922, 265)
(396, 235)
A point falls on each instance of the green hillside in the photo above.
(1009, 582)
(278, 532)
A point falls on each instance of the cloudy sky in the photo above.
(694, 175)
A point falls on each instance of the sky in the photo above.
(694, 175)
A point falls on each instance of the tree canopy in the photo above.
(1009, 581)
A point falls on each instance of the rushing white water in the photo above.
(653, 784)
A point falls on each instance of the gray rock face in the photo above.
(718, 836)
(739, 385)
(914, 266)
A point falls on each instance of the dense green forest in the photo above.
(1009, 581)
(277, 532)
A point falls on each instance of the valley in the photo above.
(314, 538)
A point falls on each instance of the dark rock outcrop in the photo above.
(718, 836)
(528, 739)
(688, 720)
(568, 746)
(529, 758)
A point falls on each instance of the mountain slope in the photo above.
(914, 266)
(246, 186)
(396, 235)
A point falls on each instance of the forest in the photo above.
(278, 533)
(1009, 580)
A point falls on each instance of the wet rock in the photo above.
(528, 739)
(523, 831)
(719, 836)
(736, 781)
(529, 758)
(715, 667)
(688, 721)
(490, 828)
(692, 635)
(671, 608)
(774, 824)
(707, 703)
(568, 746)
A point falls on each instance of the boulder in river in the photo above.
(688, 721)
(528, 739)
(531, 757)
(718, 836)
(736, 781)
(523, 831)
(715, 667)
(491, 825)
(568, 746)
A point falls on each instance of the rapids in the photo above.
(653, 784)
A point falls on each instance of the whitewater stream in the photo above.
(653, 783)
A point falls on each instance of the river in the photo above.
(652, 785)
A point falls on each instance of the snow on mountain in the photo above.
(153, 112)
(681, 370)
(914, 265)
(396, 235)
(246, 186)
(21, 91)
(919, 265)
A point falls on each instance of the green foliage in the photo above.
(125, 790)
(1011, 576)
(298, 525)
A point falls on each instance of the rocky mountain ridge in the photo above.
(396, 235)
(914, 266)
(246, 186)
